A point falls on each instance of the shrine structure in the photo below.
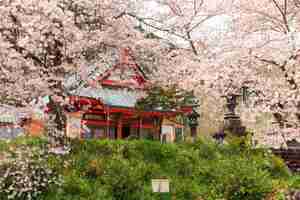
(105, 108)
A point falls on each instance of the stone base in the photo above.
(233, 124)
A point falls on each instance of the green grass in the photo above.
(122, 170)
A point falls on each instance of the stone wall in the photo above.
(291, 156)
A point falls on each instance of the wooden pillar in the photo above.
(107, 123)
(140, 126)
(119, 127)
(194, 133)
(157, 128)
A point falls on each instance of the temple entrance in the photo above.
(125, 131)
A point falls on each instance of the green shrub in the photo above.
(123, 170)
(95, 168)
(185, 164)
(278, 167)
(206, 149)
(294, 181)
(4, 145)
(185, 189)
(77, 185)
(123, 179)
(242, 180)
(78, 188)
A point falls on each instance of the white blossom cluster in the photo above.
(25, 174)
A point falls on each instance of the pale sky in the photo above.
(209, 30)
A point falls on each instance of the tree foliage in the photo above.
(166, 98)
(124, 170)
(212, 47)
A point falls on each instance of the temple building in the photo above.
(104, 106)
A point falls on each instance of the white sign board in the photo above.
(73, 127)
(167, 131)
(160, 185)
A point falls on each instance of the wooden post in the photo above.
(107, 124)
(157, 128)
(140, 126)
(119, 127)
(194, 133)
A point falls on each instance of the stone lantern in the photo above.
(232, 121)
(193, 123)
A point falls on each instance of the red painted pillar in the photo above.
(119, 127)
(140, 126)
(107, 123)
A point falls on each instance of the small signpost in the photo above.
(162, 186)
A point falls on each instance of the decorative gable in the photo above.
(124, 74)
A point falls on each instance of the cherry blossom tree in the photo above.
(258, 50)
(40, 41)
(267, 35)
(212, 47)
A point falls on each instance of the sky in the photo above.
(209, 30)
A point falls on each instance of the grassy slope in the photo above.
(123, 170)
